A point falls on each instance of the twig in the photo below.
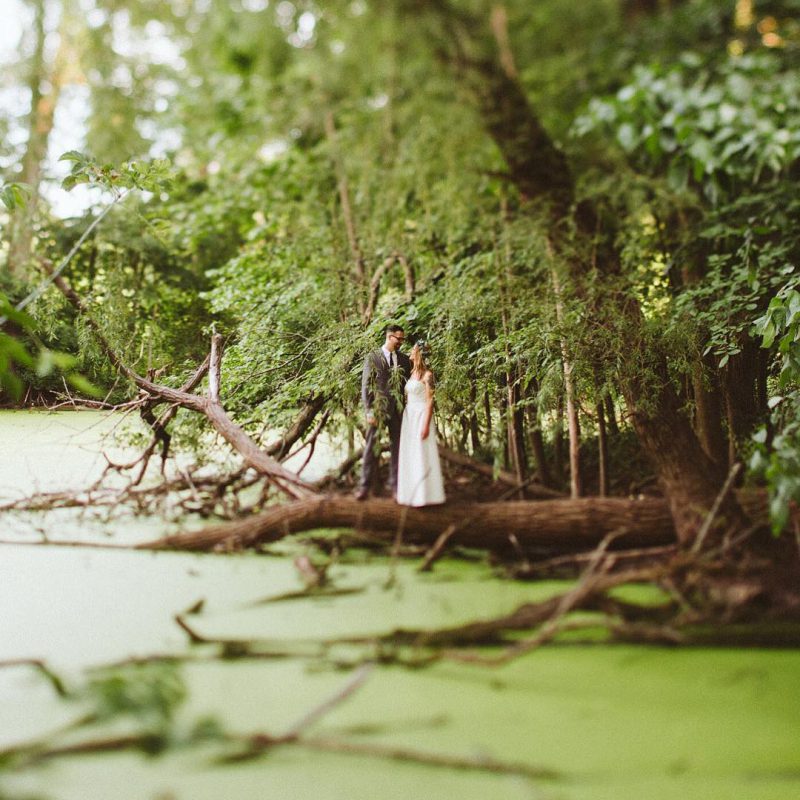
(543, 567)
(396, 546)
(433, 759)
(706, 527)
(556, 623)
(438, 548)
(307, 720)
(40, 289)
(39, 665)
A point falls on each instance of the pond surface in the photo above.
(600, 721)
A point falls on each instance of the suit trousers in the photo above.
(372, 451)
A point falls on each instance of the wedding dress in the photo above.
(419, 475)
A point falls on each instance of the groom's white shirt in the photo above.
(387, 355)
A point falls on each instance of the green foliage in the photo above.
(15, 354)
(148, 176)
(781, 323)
(12, 351)
(686, 152)
(723, 127)
(151, 691)
(14, 195)
(717, 139)
(778, 460)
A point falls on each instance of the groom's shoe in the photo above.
(361, 494)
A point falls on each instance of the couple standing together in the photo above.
(397, 392)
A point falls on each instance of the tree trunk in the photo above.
(565, 524)
(690, 480)
(602, 452)
(634, 10)
(740, 389)
(536, 438)
(708, 411)
(611, 414)
(516, 428)
(474, 432)
(46, 83)
(487, 413)
(504, 428)
(39, 125)
(573, 423)
(558, 440)
(540, 172)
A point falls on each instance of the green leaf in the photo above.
(83, 385)
(11, 383)
(14, 195)
(768, 334)
(75, 156)
(16, 351)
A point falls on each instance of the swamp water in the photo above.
(589, 722)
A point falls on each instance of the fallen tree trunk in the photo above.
(564, 524)
(285, 480)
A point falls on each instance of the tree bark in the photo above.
(536, 438)
(564, 524)
(40, 124)
(634, 10)
(602, 451)
(690, 480)
(516, 428)
(573, 423)
(474, 432)
(611, 416)
(740, 379)
(558, 440)
(708, 411)
(281, 447)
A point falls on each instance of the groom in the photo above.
(383, 383)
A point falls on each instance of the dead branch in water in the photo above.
(211, 407)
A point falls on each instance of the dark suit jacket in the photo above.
(381, 392)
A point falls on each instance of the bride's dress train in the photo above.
(419, 475)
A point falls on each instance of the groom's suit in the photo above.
(383, 394)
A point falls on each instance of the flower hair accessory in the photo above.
(424, 347)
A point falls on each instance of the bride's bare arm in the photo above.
(426, 422)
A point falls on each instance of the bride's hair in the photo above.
(418, 358)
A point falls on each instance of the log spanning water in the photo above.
(568, 524)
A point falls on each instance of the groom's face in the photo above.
(394, 340)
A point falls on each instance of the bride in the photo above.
(419, 478)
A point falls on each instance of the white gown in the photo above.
(419, 475)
